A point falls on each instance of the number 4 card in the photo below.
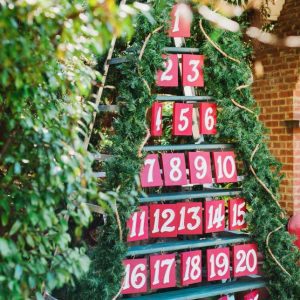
(156, 119)
(192, 70)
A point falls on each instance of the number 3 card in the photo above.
(192, 72)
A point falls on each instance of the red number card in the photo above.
(245, 260)
(150, 174)
(135, 280)
(192, 72)
(254, 295)
(190, 218)
(169, 76)
(138, 225)
(182, 119)
(200, 167)
(214, 216)
(191, 269)
(174, 169)
(181, 19)
(224, 298)
(225, 168)
(156, 119)
(162, 271)
(208, 118)
(237, 213)
(218, 264)
(163, 220)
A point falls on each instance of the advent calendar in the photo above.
(186, 238)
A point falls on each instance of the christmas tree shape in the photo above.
(207, 226)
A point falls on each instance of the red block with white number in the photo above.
(181, 19)
(138, 225)
(218, 264)
(135, 280)
(237, 213)
(162, 271)
(150, 174)
(191, 267)
(156, 119)
(254, 295)
(182, 119)
(190, 218)
(174, 169)
(200, 167)
(208, 118)
(192, 70)
(224, 298)
(245, 260)
(214, 216)
(163, 220)
(225, 167)
(168, 77)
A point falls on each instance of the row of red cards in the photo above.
(200, 171)
(170, 220)
(192, 71)
(163, 268)
(183, 119)
(253, 295)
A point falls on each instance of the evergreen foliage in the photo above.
(222, 76)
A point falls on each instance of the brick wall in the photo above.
(278, 95)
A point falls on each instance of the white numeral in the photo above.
(160, 264)
(201, 166)
(168, 65)
(195, 211)
(150, 162)
(175, 173)
(168, 215)
(135, 277)
(183, 119)
(193, 268)
(158, 119)
(134, 224)
(245, 258)
(238, 212)
(215, 217)
(194, 63)
(209, 120)
(223, 167)
(221, 262)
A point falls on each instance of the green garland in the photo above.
(223, 76)
(242, 127)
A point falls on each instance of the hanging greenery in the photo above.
(47, 59)
(228, 79)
